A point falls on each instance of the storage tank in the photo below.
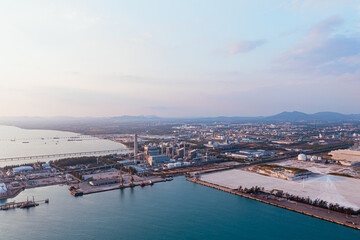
(302, 157)
(313, 158)
(3, 188)
(170, 165)
(178, 164)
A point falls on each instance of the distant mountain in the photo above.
(76, 123)
(320, 116)
(289, 116)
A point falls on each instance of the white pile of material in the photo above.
(333, 189)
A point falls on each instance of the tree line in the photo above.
(307, 200)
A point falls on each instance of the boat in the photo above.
(76, 193)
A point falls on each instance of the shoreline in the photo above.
(278, 204)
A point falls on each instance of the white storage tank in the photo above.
(302, 157)
(313, 158)
(3, 188)
(177, 164)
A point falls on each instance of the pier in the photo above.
(64, 155)
(25, 204)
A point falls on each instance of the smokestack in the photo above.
(135, 146)
(184, 151)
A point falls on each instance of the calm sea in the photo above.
(17, 142)
(169, 210)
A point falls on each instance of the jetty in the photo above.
(25, 204)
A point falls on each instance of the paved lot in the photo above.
(320, 168)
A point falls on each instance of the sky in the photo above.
(178, 58)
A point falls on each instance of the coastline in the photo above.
(332, 216)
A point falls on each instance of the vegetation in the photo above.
(341, 174)
(88, 161)
(252, 190)
(66, 162)
(317, 202)
(282, 168)
(19, 165)
(320, 148)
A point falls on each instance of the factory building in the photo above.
(151, 151)
(192, 154)
(153, 160)
(180, 152)
(169, 151)
(22, 169)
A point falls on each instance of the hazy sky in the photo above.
(178, 58)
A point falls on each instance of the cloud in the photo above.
(245, 46)
(159, 108)
(142, 37)
(322, 51)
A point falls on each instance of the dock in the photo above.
(84, 188)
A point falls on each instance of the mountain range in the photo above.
(320, 116)
(284, 116)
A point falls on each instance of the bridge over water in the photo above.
(64, 155)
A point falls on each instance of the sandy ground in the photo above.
(334, 189)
